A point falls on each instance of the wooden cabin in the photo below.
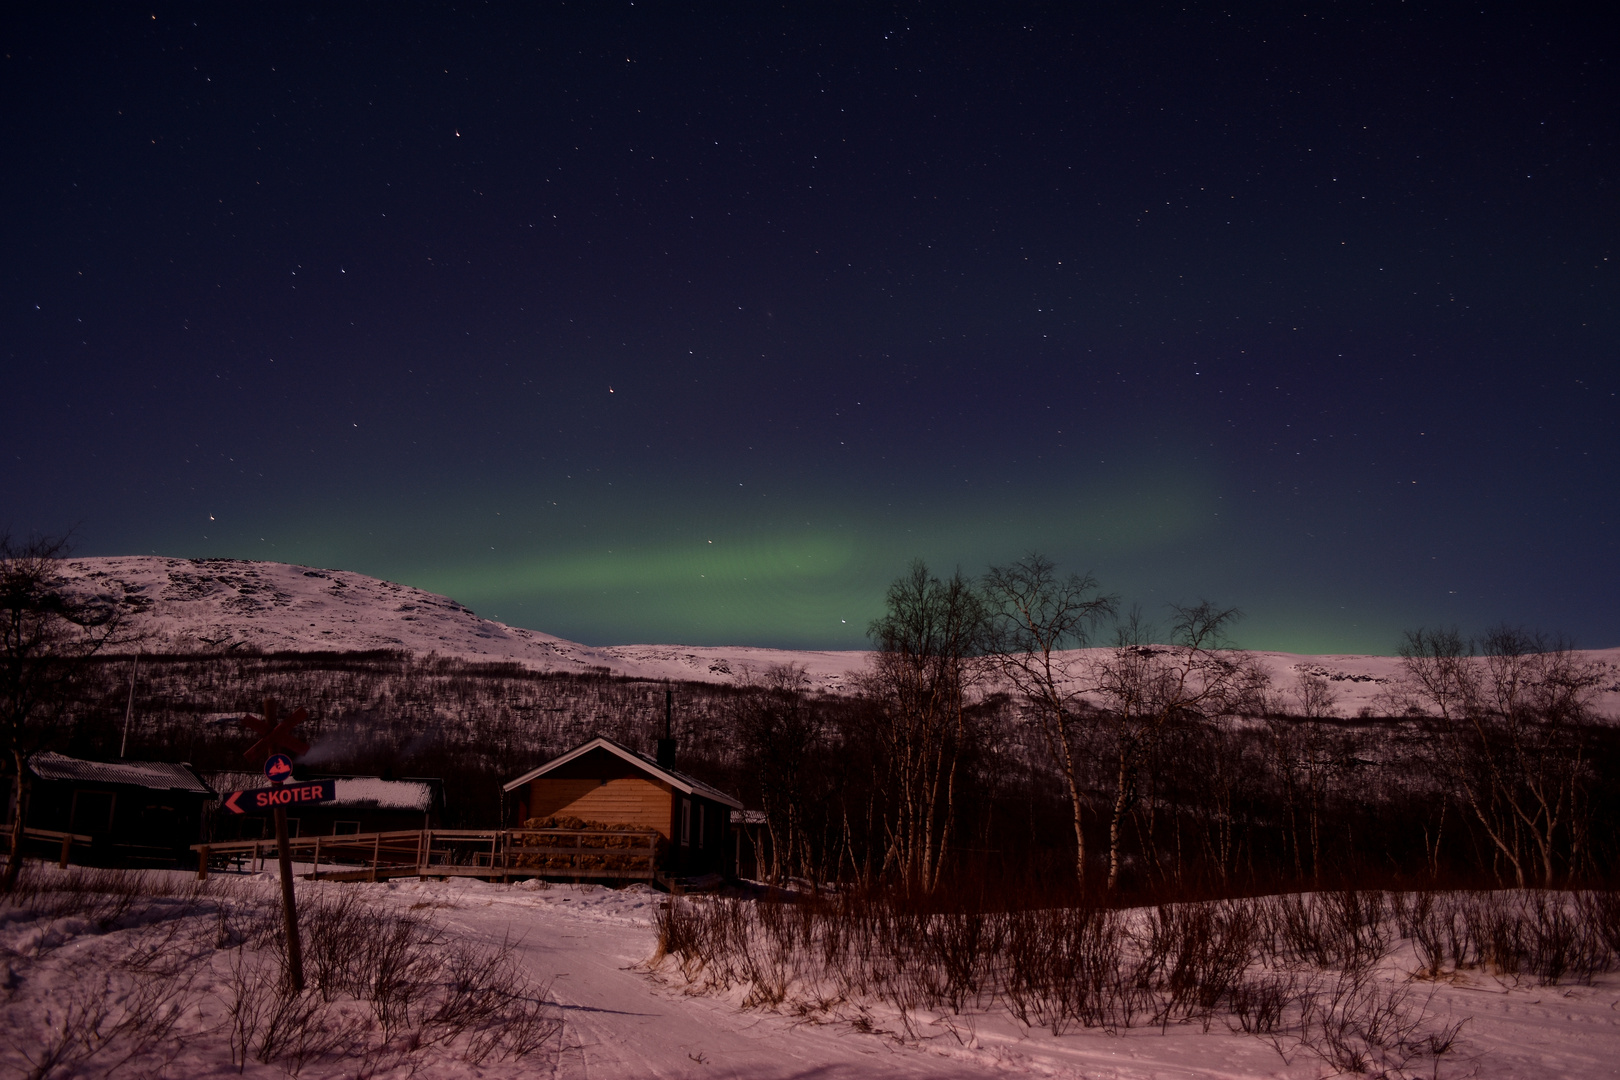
(607, 784)
(141, 813)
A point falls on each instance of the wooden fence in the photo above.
(62, 840)
(496, 854)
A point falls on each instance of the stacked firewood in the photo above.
(598, 845)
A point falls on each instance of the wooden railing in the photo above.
(497, 854)
(66, 839)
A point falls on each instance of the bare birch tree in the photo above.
(1305, 757)
(779, 737)
(1144, 687)
(47, 634)
(1036, 619)
(1509, 736)
(920, 679)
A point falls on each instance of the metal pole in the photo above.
(129, 709)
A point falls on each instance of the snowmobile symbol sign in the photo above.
(278, 767)
(248, 802)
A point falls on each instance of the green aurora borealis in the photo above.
(798, 572)
(642, 323)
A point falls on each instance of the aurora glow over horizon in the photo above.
(658, 323)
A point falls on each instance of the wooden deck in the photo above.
(494, 854)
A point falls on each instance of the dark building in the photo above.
(145, 813)
(604, 783)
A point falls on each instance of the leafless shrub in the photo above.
(1433, 931)
(421, 989)
(1495, 932)
(1068, 966)
(1553, 936)
(105, 898)
(1359, 1025)
(1299, 972)
(1600, 911)
(487, 998)
(1198, 952)
(1333, 929)
(1564, 943)
(1260, 1001)
(387, 984)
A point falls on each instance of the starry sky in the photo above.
(697, 323)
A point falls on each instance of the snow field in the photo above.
(156, 973)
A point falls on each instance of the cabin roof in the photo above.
(153, 775)
(677, 780)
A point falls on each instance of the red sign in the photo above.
(247, 802)
(276, 736)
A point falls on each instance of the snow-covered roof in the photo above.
(370, 791)
(677, 780)
(155, 775)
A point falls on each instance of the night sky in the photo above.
(697, 323)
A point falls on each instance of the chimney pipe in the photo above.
(666, 745)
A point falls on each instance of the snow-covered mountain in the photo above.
(187, 605)
(200, 605)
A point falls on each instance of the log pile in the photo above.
(574, 845)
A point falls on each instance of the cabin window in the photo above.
(686, 822)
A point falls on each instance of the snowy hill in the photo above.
(185, 605)
(209, 605)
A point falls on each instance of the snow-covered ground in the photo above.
(592, 944)
(210, 604)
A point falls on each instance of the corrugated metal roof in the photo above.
(156, 775)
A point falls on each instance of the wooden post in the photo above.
(289, 900)
(202, 863)
(376, 850)
(67, 845)
(289, 903)
(315, 875)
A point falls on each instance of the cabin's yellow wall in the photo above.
(623, 801)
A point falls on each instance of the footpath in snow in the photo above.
(592, 944)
